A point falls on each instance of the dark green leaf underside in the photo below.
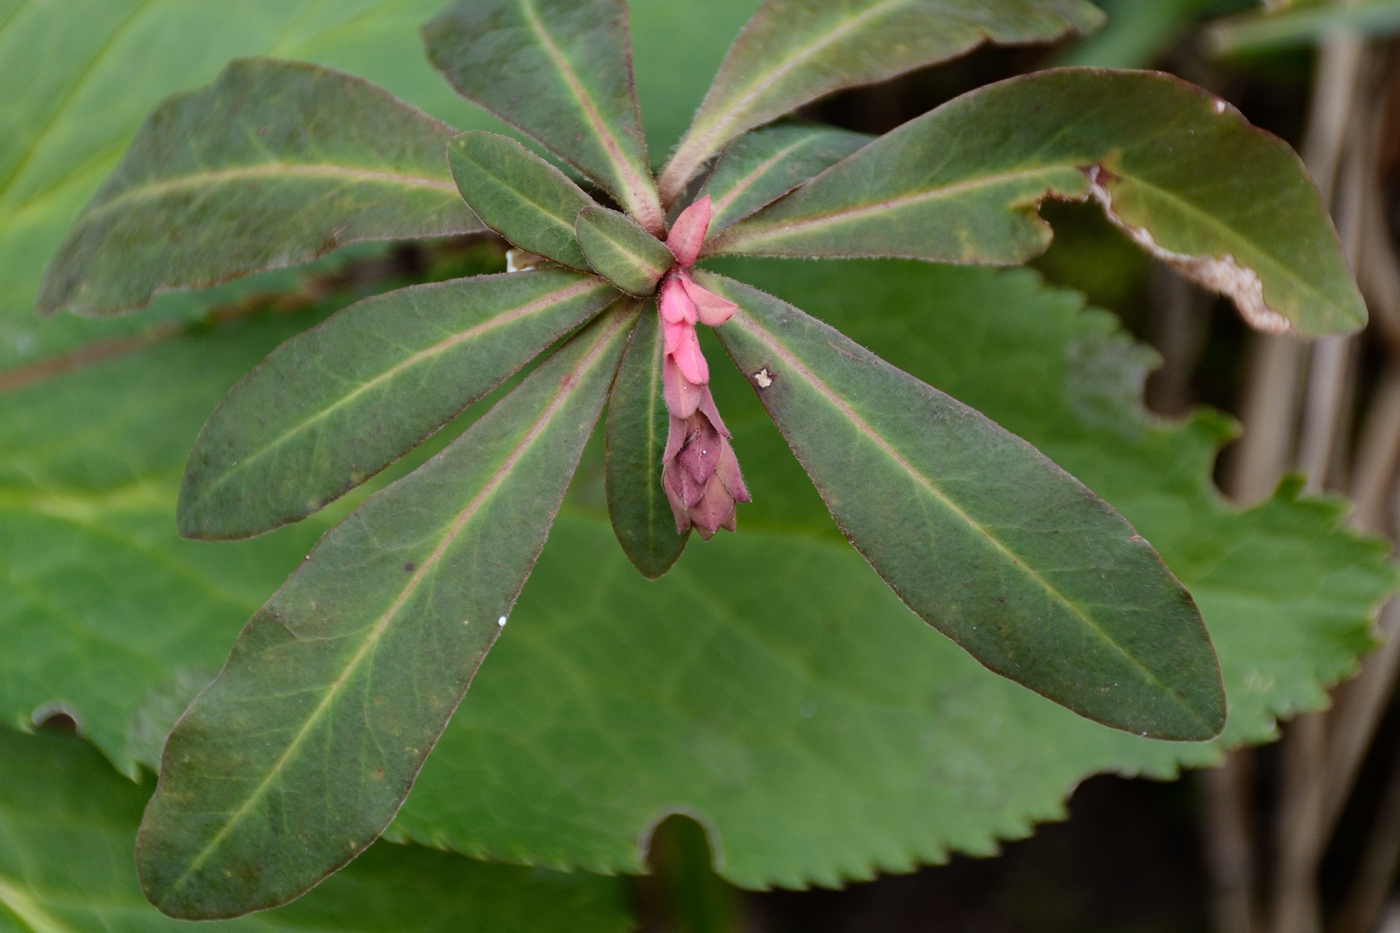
(274, 164)
(300, 753)
(762, 166)
(519, 195)
(980, 534)
(622, 252)
(561, 71)
(1232, 208)
(636, 440)
(335, 405)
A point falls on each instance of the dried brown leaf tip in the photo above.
(699, 470)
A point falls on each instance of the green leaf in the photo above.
(981, 535)
(301, 751)
(795, 51)
(764, 165)
(67, 825)
(519, 195)
(636, 441)
(561, 72)
(622, 252)
(335, 405)
(88, 540)
(1304, 25)
(1232, 207)
(274, 164)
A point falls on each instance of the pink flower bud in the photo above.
(700, 473)
(676, 305)
(711, 309)
(687, 353)
(688, 232)
(682, 396)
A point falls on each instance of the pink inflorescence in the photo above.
(699, 470)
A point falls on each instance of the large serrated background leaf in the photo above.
(67, 824)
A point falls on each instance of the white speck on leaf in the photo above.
(501, 622)
(1220, 106)
(763, 378)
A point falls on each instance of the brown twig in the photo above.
(1228, 825)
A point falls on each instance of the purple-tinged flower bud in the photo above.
(700, 473)
(682, 395)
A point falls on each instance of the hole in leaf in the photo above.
(683, 894)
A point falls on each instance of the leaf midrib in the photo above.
(758, 231)
(735, 113)
(500, 320)
(747, 181)
(60, 111)
(528, 197)
(864, 428)
(628, 178)
(377, 629)
(640, 262)
(270, 170)
(736, 239)
(653, 473)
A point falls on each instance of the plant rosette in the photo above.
(301, 752)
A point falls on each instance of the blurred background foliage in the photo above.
(96, 418)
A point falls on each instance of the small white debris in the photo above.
(501, 621)
(1220, 106)
(518, 260)
(763, 377)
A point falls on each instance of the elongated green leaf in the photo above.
(560, 71)
(1226, 205)
(764, 165)
(795, 51)
(637, 426)
(334, 406)
(274, 164)
(519, 195)
(981, 535)
(1303, 25)
(622, 252)
(67, 824)
(300, 753)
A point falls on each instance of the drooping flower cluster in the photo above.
(699, 470)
